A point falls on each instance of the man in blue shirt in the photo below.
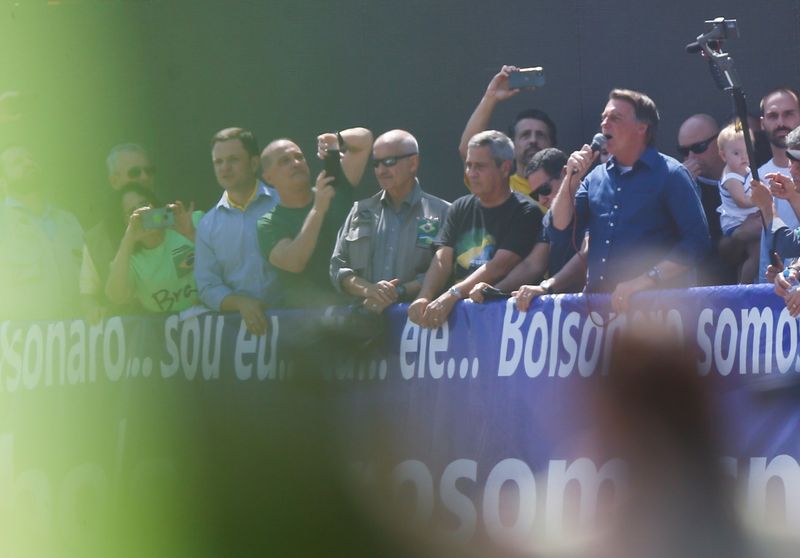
(641, 208)
(230, 274)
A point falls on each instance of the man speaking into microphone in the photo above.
(646, 226)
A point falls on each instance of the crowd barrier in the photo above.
(91, 415)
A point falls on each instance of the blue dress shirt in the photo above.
(227, 258)
(637, 218)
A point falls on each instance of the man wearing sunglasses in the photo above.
(544, 174)
(126, 163)
(387, 241)
(129, 162)
(698, 150)
(541, 270)
(298, 236)
(484, 236)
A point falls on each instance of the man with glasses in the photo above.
(40, 245)
(484, 236)
(387, 241)
(544, 174)
(129, 162)
(126, 163)
(298, 237)
(541, 270)
(697, 148)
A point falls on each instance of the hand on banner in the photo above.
(621, 297)
(476, 294)
(527, 294)
(416, 310)
(772, 272)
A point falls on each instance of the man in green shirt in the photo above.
(298, 236)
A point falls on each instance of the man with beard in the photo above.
(531, 130)
(780, 114)
(40, 246)
(786, 240)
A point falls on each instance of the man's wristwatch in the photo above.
(456, 292)
(547, 285)
(655, 275)
(401, 291)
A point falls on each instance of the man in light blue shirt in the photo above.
(231, 275)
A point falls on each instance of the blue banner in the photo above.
(491, 399)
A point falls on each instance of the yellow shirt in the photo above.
(248, 202)
(519, 184)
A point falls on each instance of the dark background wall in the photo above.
(169, 74)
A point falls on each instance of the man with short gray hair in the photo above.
(128, 162)
(485, 234)
(387, 241)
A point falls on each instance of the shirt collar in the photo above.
(649, 158)
(261, 190)
(11, 202)
(411, 199)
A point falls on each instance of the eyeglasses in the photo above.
(136, 172)
(391, 161)
(696, 148)
(545, 190)
(793, 155)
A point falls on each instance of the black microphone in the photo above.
(598, 142)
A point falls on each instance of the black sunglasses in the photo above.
(136, 172)
(545, 190)
(390, 161)
(696, 148)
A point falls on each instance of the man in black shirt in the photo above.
(298, 236)
(485, 233)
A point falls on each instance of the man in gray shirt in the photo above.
(387, 241)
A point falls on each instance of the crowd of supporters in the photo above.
(614, 217)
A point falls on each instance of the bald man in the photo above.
(387, 242)
(297, 237)
(697, 147)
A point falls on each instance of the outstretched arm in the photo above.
(497, 90)
(357, 143)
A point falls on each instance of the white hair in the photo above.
(113, 155)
